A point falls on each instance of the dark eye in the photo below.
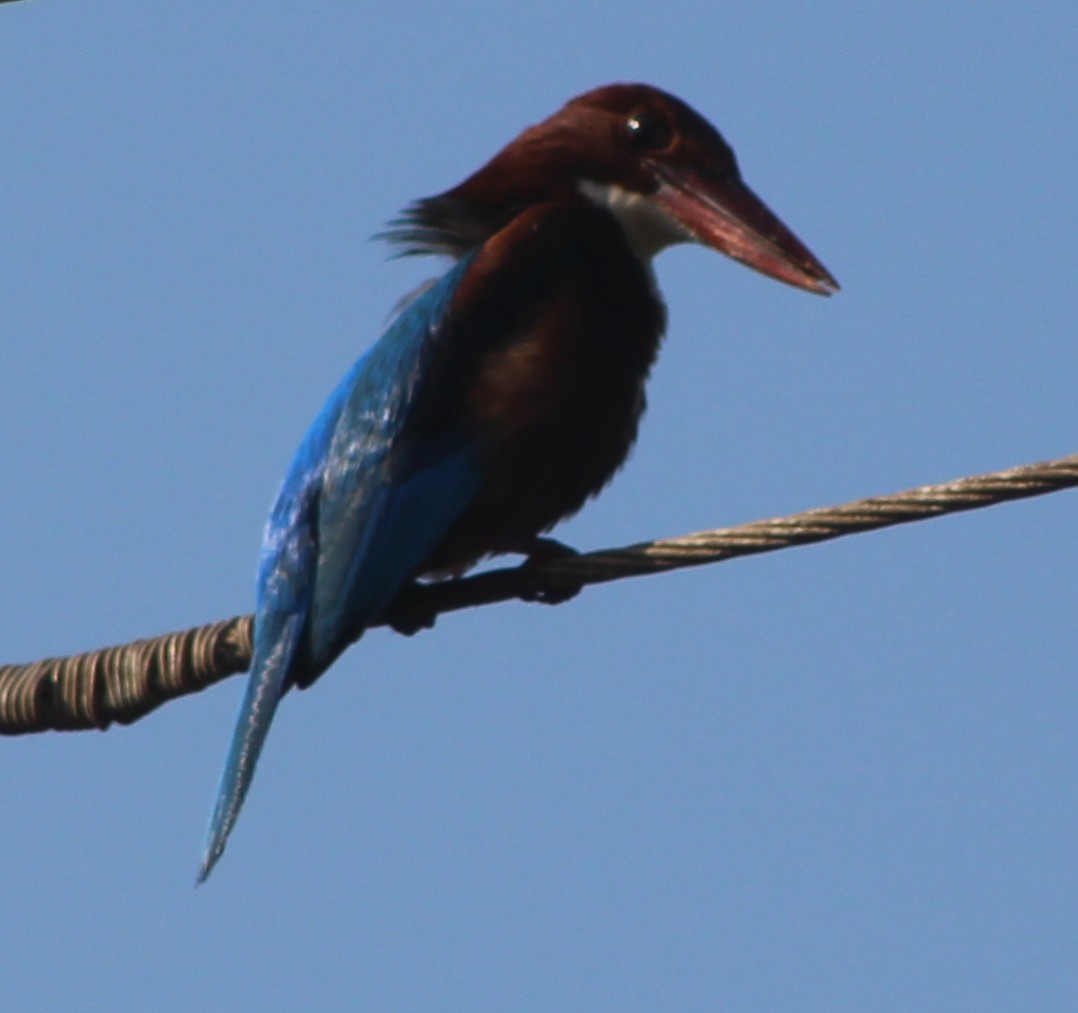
(648, 132)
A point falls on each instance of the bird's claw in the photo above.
(533, 588)
(410, 612)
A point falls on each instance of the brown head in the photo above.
(656, 164)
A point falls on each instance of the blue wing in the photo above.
(359, 511)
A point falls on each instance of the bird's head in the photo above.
(656, 164)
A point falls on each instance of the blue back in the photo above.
(363, 504)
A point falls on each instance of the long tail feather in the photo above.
(263, 693)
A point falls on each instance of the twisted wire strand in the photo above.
(124, 683)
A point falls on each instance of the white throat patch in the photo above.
(648, 229)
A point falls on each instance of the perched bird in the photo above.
(505, 394)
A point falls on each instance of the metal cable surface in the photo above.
(124, 683)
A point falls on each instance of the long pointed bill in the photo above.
(727, 216)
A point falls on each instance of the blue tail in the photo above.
(286, 579)
(263, 692)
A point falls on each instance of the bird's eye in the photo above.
(648, 132)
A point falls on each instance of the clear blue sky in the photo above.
(837, 778)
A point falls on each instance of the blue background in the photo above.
(836, 778)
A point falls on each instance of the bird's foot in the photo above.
(533, 588)
(410, 611)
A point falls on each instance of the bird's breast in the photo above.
(559, 323)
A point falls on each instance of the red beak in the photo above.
(727, 216)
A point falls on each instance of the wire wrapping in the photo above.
(124, 683)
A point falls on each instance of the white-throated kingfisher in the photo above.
(506, 393)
